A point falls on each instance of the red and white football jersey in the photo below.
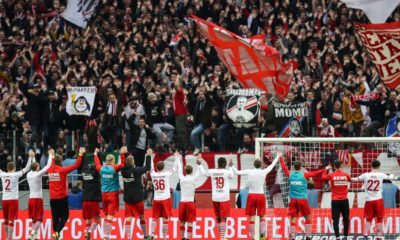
(10, 182)
(35, 180)
(220, 183)
(188, 184)
(160, 181)
(373, 184)
(256, 177)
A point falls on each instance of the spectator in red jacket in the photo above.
(181, 111)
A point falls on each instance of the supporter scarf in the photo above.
(366, 97)
(250, 60)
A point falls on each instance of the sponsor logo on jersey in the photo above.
(54, 177)
(108, 176)
(87, 176)
(296, 183)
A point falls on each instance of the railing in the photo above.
(14, 145)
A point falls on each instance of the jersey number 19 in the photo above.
(219, 182)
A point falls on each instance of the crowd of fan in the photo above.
(154, 71)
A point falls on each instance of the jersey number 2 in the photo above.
(159, 185)
(8, 182)
(219, 182)
(373, 185)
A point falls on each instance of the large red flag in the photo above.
(250, 60)
(383, 44)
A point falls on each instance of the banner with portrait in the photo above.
(290, 119)
(243, 106)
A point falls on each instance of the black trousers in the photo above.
(340, 207)
(59, 213)
(139, 155)
(49, 136)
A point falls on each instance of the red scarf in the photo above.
(365, 97)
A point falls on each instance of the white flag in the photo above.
(79, 12)
(376, 10)
(80, 100)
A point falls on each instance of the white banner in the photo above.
(376, 10)
(79, 12)
(80, 100)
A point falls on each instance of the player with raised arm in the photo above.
(35, 203)
(109, 187)
(91, 198)
(58, 188)
(374, 206)
(162, 195)
(220, 193)
(187, 208)
(298, 206)
(339, 182)
(9, 181)
(256, 202)
(134, 193)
